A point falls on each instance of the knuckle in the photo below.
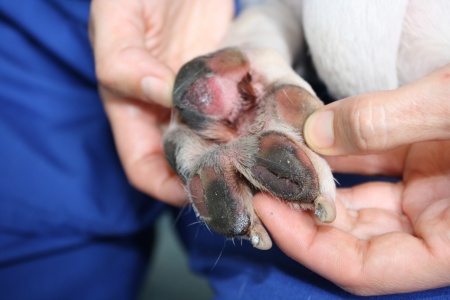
(105, 72)
(135, 174)
(361, 291)
(367, 131)
(357, 283)
(134, 178)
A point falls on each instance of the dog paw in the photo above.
(236, 129)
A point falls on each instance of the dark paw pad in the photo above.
(284, 169)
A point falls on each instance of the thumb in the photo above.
(123, 64)
(134, 73)
(381, 121)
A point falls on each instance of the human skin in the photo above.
(388, 237)
(138, 47)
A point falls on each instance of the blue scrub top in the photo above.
(71, 226)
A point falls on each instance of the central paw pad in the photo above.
(236, 131)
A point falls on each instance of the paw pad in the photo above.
(234, 133)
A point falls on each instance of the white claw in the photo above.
(259, 237)
(325, 209)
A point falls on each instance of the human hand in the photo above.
(138, 48)
(387, 237)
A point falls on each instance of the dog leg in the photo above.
(237, 129)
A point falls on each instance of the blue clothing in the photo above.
(71, 227)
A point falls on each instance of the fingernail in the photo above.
(157, 90)
(319, 131)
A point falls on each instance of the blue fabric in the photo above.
(237, 7)
(71, 226)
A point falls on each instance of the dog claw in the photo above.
(259, 237)
(324, 209)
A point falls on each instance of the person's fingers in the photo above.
(389, 164)
(380, 121)
(394, 262)
(123, 63)
(138, 135)
(374, 194)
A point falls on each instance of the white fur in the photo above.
(345, 38)
(425, 43)
(358, 46)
